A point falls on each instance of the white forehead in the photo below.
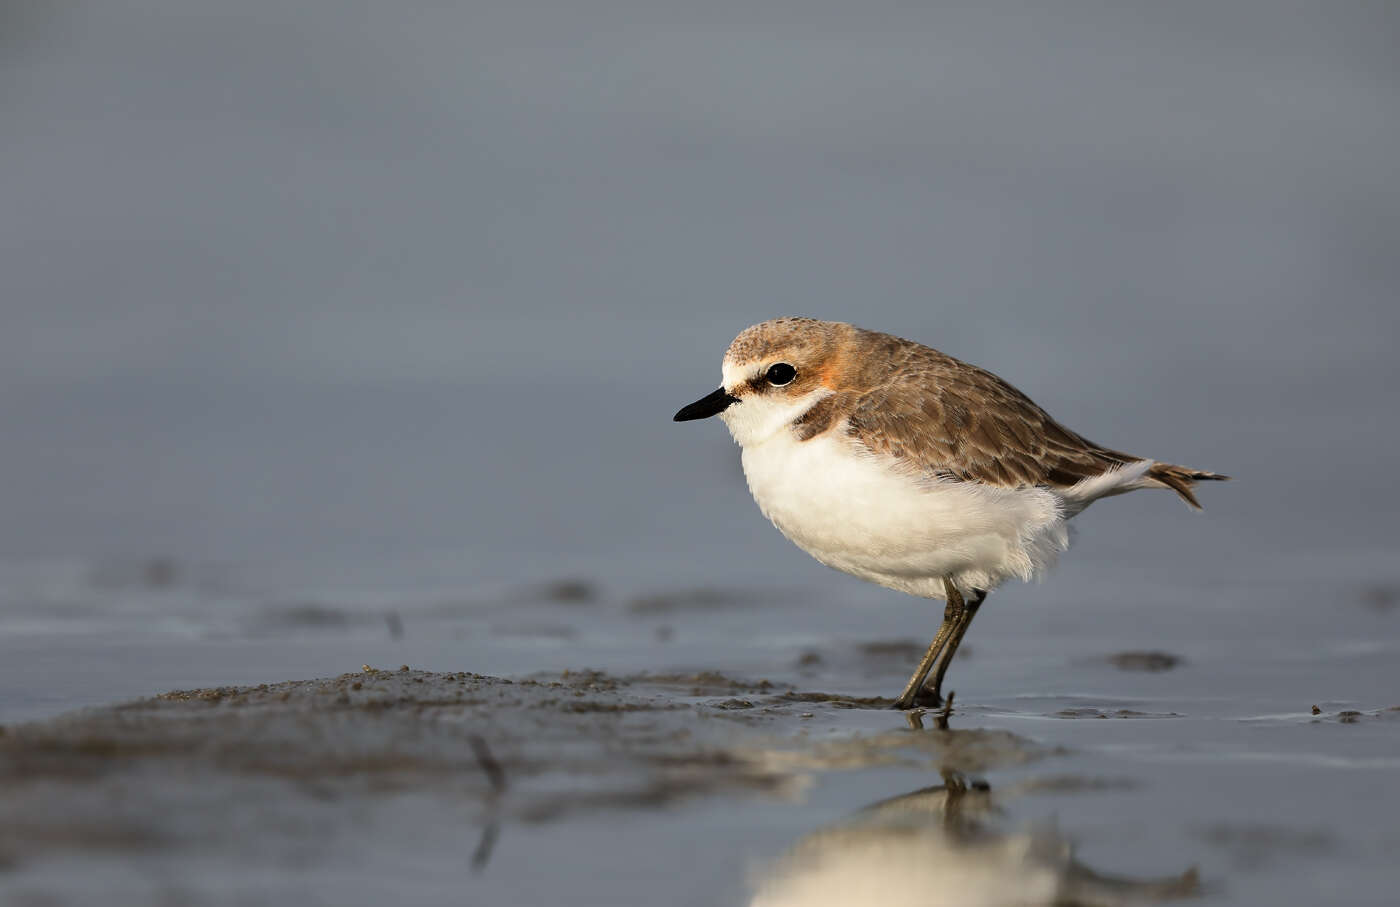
(734, 374)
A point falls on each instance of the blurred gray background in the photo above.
(350, 332)
(363, 281)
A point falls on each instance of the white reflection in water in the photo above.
(941, 845)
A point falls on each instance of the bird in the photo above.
(901, 465)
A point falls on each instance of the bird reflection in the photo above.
(940, 845)
(496, 775)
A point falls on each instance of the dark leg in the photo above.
(952, 613)
(954, 640)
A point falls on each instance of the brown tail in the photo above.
(1181, 480)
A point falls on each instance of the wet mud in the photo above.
(192, 774)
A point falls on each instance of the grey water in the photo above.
(350, 333)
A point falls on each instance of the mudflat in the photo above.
(1072, 767)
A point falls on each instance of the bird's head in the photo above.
(773, 374)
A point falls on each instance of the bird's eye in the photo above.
(780, 373)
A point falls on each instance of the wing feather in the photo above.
(949, 419)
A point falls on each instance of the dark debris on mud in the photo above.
(700, 599)
(1148, 661)
(1091, 712)
(1381, 597)
(901, 650)
(1253, 846)
(1354, 716)
(837, 700)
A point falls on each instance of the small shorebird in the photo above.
(895, 463)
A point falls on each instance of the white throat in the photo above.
(761, 417)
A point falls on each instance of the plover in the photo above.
(903, 466)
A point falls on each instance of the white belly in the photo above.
(859, 514)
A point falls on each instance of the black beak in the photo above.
(707, 406)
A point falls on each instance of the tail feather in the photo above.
(1181, 479)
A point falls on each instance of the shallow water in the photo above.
(1217, 763)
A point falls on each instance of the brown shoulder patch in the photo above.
(824, 414)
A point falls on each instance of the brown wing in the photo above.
(946, 418)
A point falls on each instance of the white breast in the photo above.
(858, 513)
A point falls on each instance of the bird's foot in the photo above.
(924, 699)
(928, 699)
